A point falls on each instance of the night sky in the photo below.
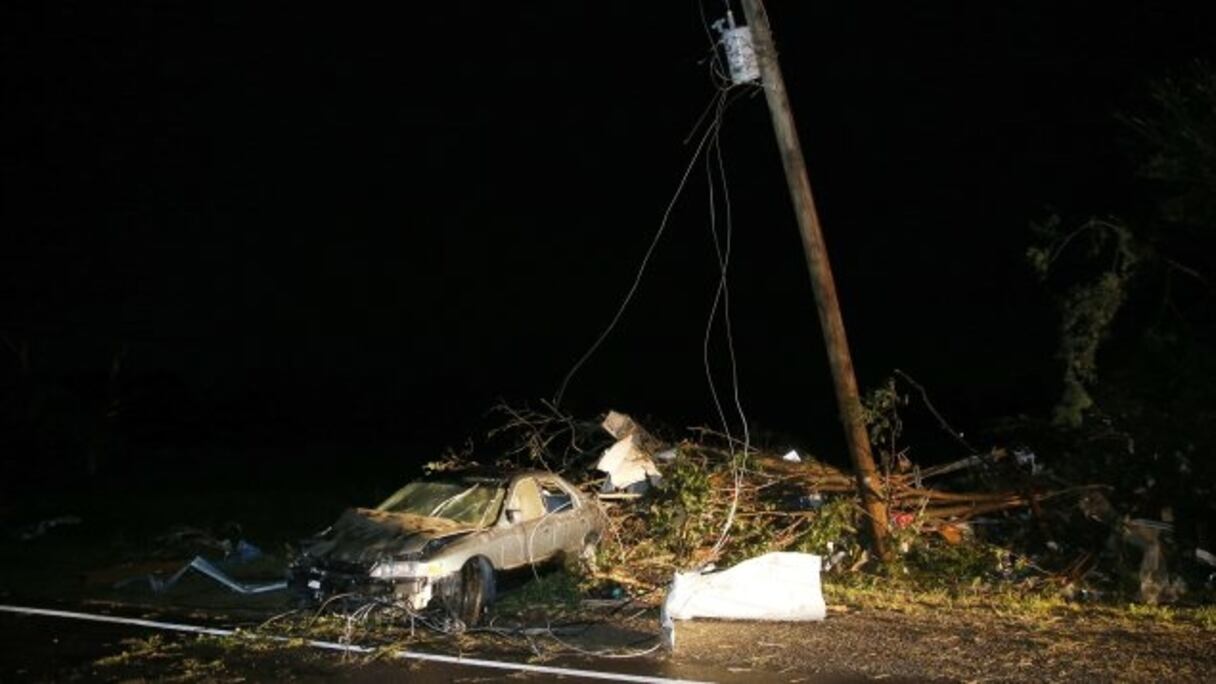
(352, 223)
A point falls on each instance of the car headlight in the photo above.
(407, 569)
(434, 545)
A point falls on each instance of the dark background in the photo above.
(361, 226)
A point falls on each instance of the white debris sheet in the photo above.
(776, 586)
(628, 462)
(626, 465)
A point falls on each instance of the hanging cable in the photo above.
(637, 281)
(726, 91)
(715, 167)
(713, 309)
(716, 174)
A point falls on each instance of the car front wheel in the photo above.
(470, 591)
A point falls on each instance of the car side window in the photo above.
(526, 500)
(556, 499)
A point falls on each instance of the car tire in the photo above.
(473, 591)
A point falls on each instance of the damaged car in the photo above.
(446, 538)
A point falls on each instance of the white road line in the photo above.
(348, 648)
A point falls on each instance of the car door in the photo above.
(562, 527)
(524, 514)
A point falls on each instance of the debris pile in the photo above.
(668, 499)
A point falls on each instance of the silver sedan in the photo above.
(447, 537)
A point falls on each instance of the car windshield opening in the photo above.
(471, 503)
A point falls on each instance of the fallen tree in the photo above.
(779, 503)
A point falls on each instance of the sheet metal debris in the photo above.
(244, 552)
(628, 466)
(1206, 557)
(628, 462)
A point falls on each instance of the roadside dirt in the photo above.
(960, 645)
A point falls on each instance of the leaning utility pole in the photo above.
(847, 397)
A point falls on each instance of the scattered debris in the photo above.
(244, 552)
(1206, 557)
(1025, 458)
(660, 510)
(955, 533)
(1156, 584)
(31, 532)
(628, 462)
(628, 467)
(620, 426)
(809, 502)
(209, 569)
(233, 552)
(673, 523)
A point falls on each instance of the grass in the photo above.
(1025, 604)
(205, 658)
(544, 591)
(136, 649)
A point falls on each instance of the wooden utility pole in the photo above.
(841, 362)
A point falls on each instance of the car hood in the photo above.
(364, 535)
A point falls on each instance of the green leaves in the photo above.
(1102, 257)
(680, 513)
(880, 411)
(1177, 137)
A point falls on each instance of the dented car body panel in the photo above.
(425, 534)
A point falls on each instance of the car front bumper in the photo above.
(317, 584)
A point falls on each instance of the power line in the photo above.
(637, 281)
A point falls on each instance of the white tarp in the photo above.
(775, 586)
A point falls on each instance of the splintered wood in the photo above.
(905, 491)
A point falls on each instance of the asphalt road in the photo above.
(39, 648)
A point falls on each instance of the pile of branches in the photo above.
(684, 521)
